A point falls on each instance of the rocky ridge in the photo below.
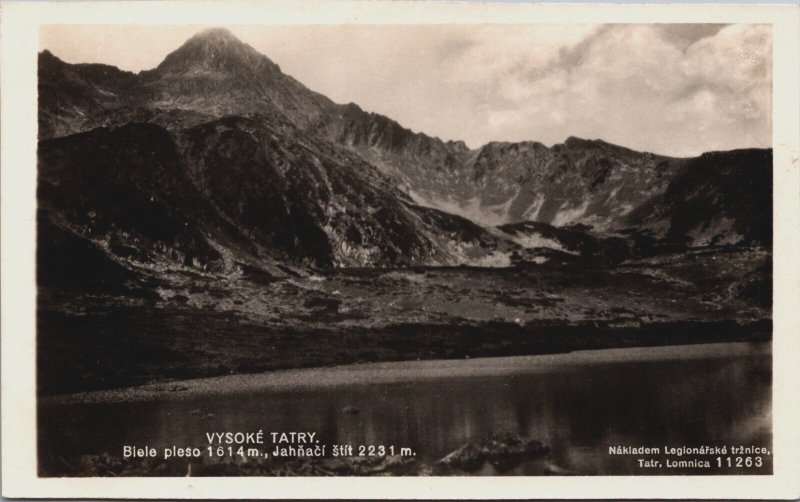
(578, 182)
(216, 216)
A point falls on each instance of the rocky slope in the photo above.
(579, 182)
(212, 75)
(237, 192)
(215, 195)
(717, 198)
(258, 186)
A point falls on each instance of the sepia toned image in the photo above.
(404, 250)
(399, 249)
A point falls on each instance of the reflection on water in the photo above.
(579, 410)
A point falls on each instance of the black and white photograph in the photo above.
(405, 250)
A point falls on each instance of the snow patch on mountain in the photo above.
(532, 213)
(567, 215)
(530, 241)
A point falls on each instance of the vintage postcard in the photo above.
(399, 249)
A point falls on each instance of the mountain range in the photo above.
(250, 166)
(213, 215)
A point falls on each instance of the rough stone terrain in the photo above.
(213, 215)
(183, 324)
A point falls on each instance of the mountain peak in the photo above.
(575, 141)
(48, 57)
(214, 49)
(218, 35)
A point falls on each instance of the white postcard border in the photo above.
(19, 46)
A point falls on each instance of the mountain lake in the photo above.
(578, 404)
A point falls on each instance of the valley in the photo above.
(214, 216)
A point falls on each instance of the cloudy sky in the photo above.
(671, 89)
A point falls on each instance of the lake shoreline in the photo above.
(400, 371)
(134, 346)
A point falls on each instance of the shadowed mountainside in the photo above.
(233, 192)
(214, 74)
(213, 215)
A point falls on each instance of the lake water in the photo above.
(578, 404)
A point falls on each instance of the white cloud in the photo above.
(631, 85)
